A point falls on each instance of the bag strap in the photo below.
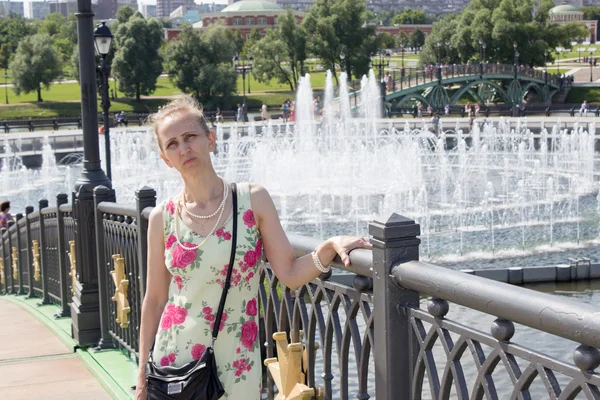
(234, 212)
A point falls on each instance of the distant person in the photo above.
(218, 115)
(585, 107)
(245, 112)
(239, 117)
(435, 123)
(285, 107)
(263, 112)
(5, 213)
(447, 110)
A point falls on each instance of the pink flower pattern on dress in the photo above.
(249, 334)
(248, 218)
(251, 308)
(170, 241)
(179, 281)
(173, 315)
(198, 351)
(170, 207)
(182, 257)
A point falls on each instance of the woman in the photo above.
(5, 214)
(189, 244)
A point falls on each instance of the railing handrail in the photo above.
(48, 210)
(33, 215)
(559, 316)
(66, 208)
(361, 260)
(117, 208)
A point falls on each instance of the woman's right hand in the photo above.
(141, 390)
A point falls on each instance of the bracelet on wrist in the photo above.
(318, 263)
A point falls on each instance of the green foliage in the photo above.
(499, 24)
(386, 40)
(411, 17)
(200, 63)
(591, 12)
(12, 29)
(254, 37)
(137, 63)
(380, 17)
(416, 39)
(294, 38)
(63, 31)
(336, 26)
(124, 13)
(271, 60)
(36, 64)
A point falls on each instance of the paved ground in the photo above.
(35, 364)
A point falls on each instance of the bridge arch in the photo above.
(470, 85)
(533, 85)
(410, 96)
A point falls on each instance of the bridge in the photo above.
(446, 84)
(379, 328)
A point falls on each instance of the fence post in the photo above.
(43, 259)
(144, 197)
(61, 199)
(29, 210)
(102, 193)
(10, 258)
(4, 263)
(20, 260)
(394, 240)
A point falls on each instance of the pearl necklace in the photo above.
(221, 206)
(196, 246)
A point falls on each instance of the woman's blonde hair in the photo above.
(181, 105)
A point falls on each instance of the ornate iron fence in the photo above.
(336, 320)
(33, 219)
(443, 359)
(121, 269)
(49, 254)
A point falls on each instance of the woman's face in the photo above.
(185, 145)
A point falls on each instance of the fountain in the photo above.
(503, 195)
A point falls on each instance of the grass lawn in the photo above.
(558, 70)
(578, 94)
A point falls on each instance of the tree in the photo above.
(417, 39)
(124, 13)
(137, 63)
(36, 64)
(294, 38)
(403, 39)
(200, 63)
(336, 26)
(410, 17)
(63, 31)
(254, 37)
(499, 24)
(271, 60)
(12, 29)
(591, 13)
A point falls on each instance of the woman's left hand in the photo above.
(343, 245)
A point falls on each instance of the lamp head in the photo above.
(235, 60)
(102, 39)
(250, 60)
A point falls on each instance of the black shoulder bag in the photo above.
(196, 380)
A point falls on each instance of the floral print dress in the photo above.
(197, 281)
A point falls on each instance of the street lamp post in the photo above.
(6, 85)
(382, 60)
(591, 79)
(242, 66)
(516, 53)
(86, 304)
(102, 39)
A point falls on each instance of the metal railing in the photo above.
(364, 329)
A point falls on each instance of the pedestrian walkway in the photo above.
(36, 364)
